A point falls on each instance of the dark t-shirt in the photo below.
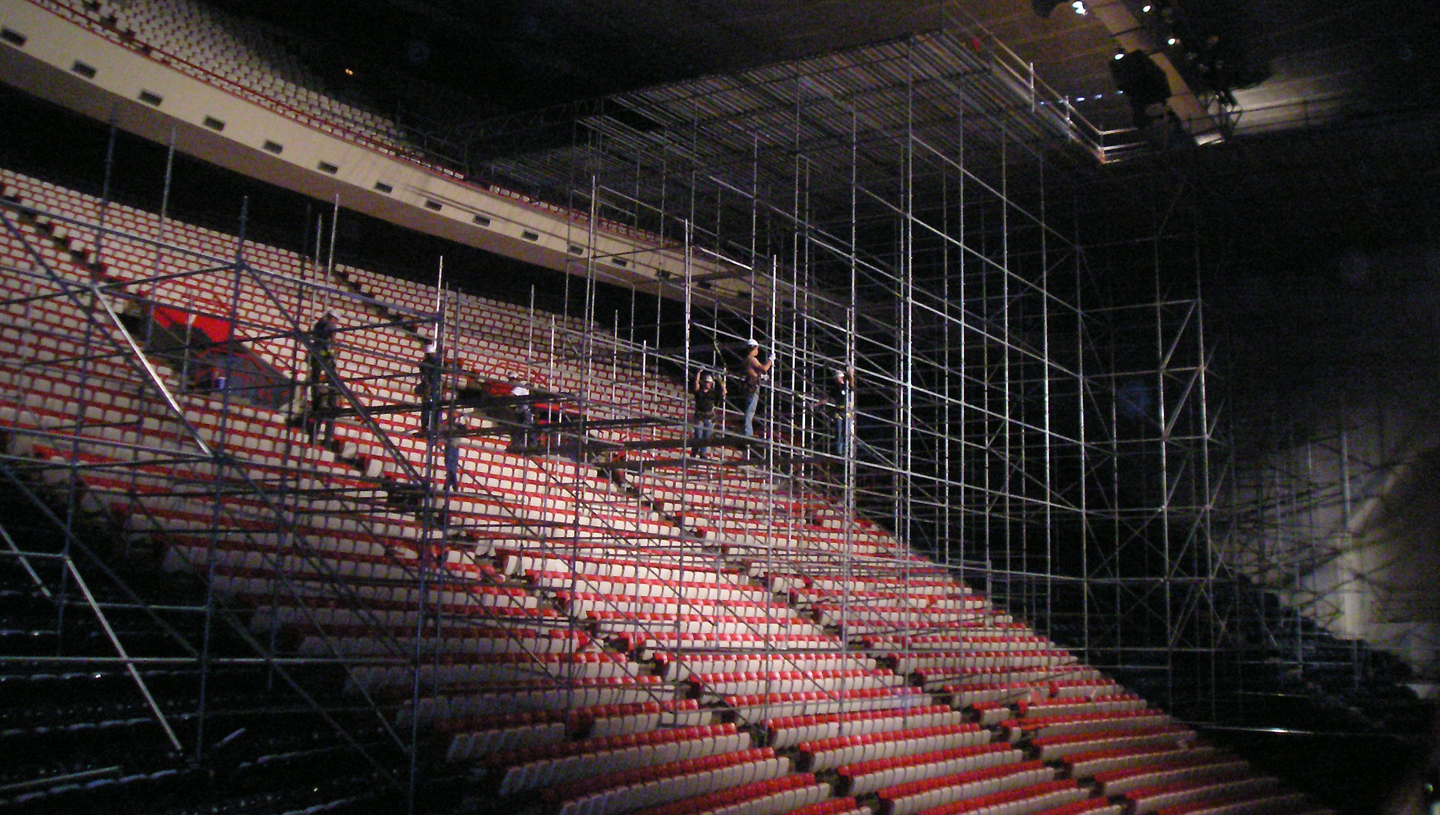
(706, 400)
(431, 373)
(320, 355)
(838, 394)
(321, 334)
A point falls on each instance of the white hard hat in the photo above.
(752, 343)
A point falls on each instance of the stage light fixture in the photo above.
(1079, 7)
(1142, 82)
(1224, 42)
(1147, 8)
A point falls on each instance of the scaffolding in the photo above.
(1151, 604)
(1318, 523)
(907, 213)
(136, 408)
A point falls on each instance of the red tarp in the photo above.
(217, 329)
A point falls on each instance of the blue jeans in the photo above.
(751, 403)
(842, 433)
(452, 464)
(704, 429)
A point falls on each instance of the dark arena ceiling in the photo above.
(1331, 137)
(512, 55)
(516, 54)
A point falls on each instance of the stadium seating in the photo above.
(234, 54)
(701, 639)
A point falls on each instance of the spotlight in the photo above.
(1079, 7)
(1147, 8)
(1171, 41)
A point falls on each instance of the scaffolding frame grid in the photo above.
(908, 231)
